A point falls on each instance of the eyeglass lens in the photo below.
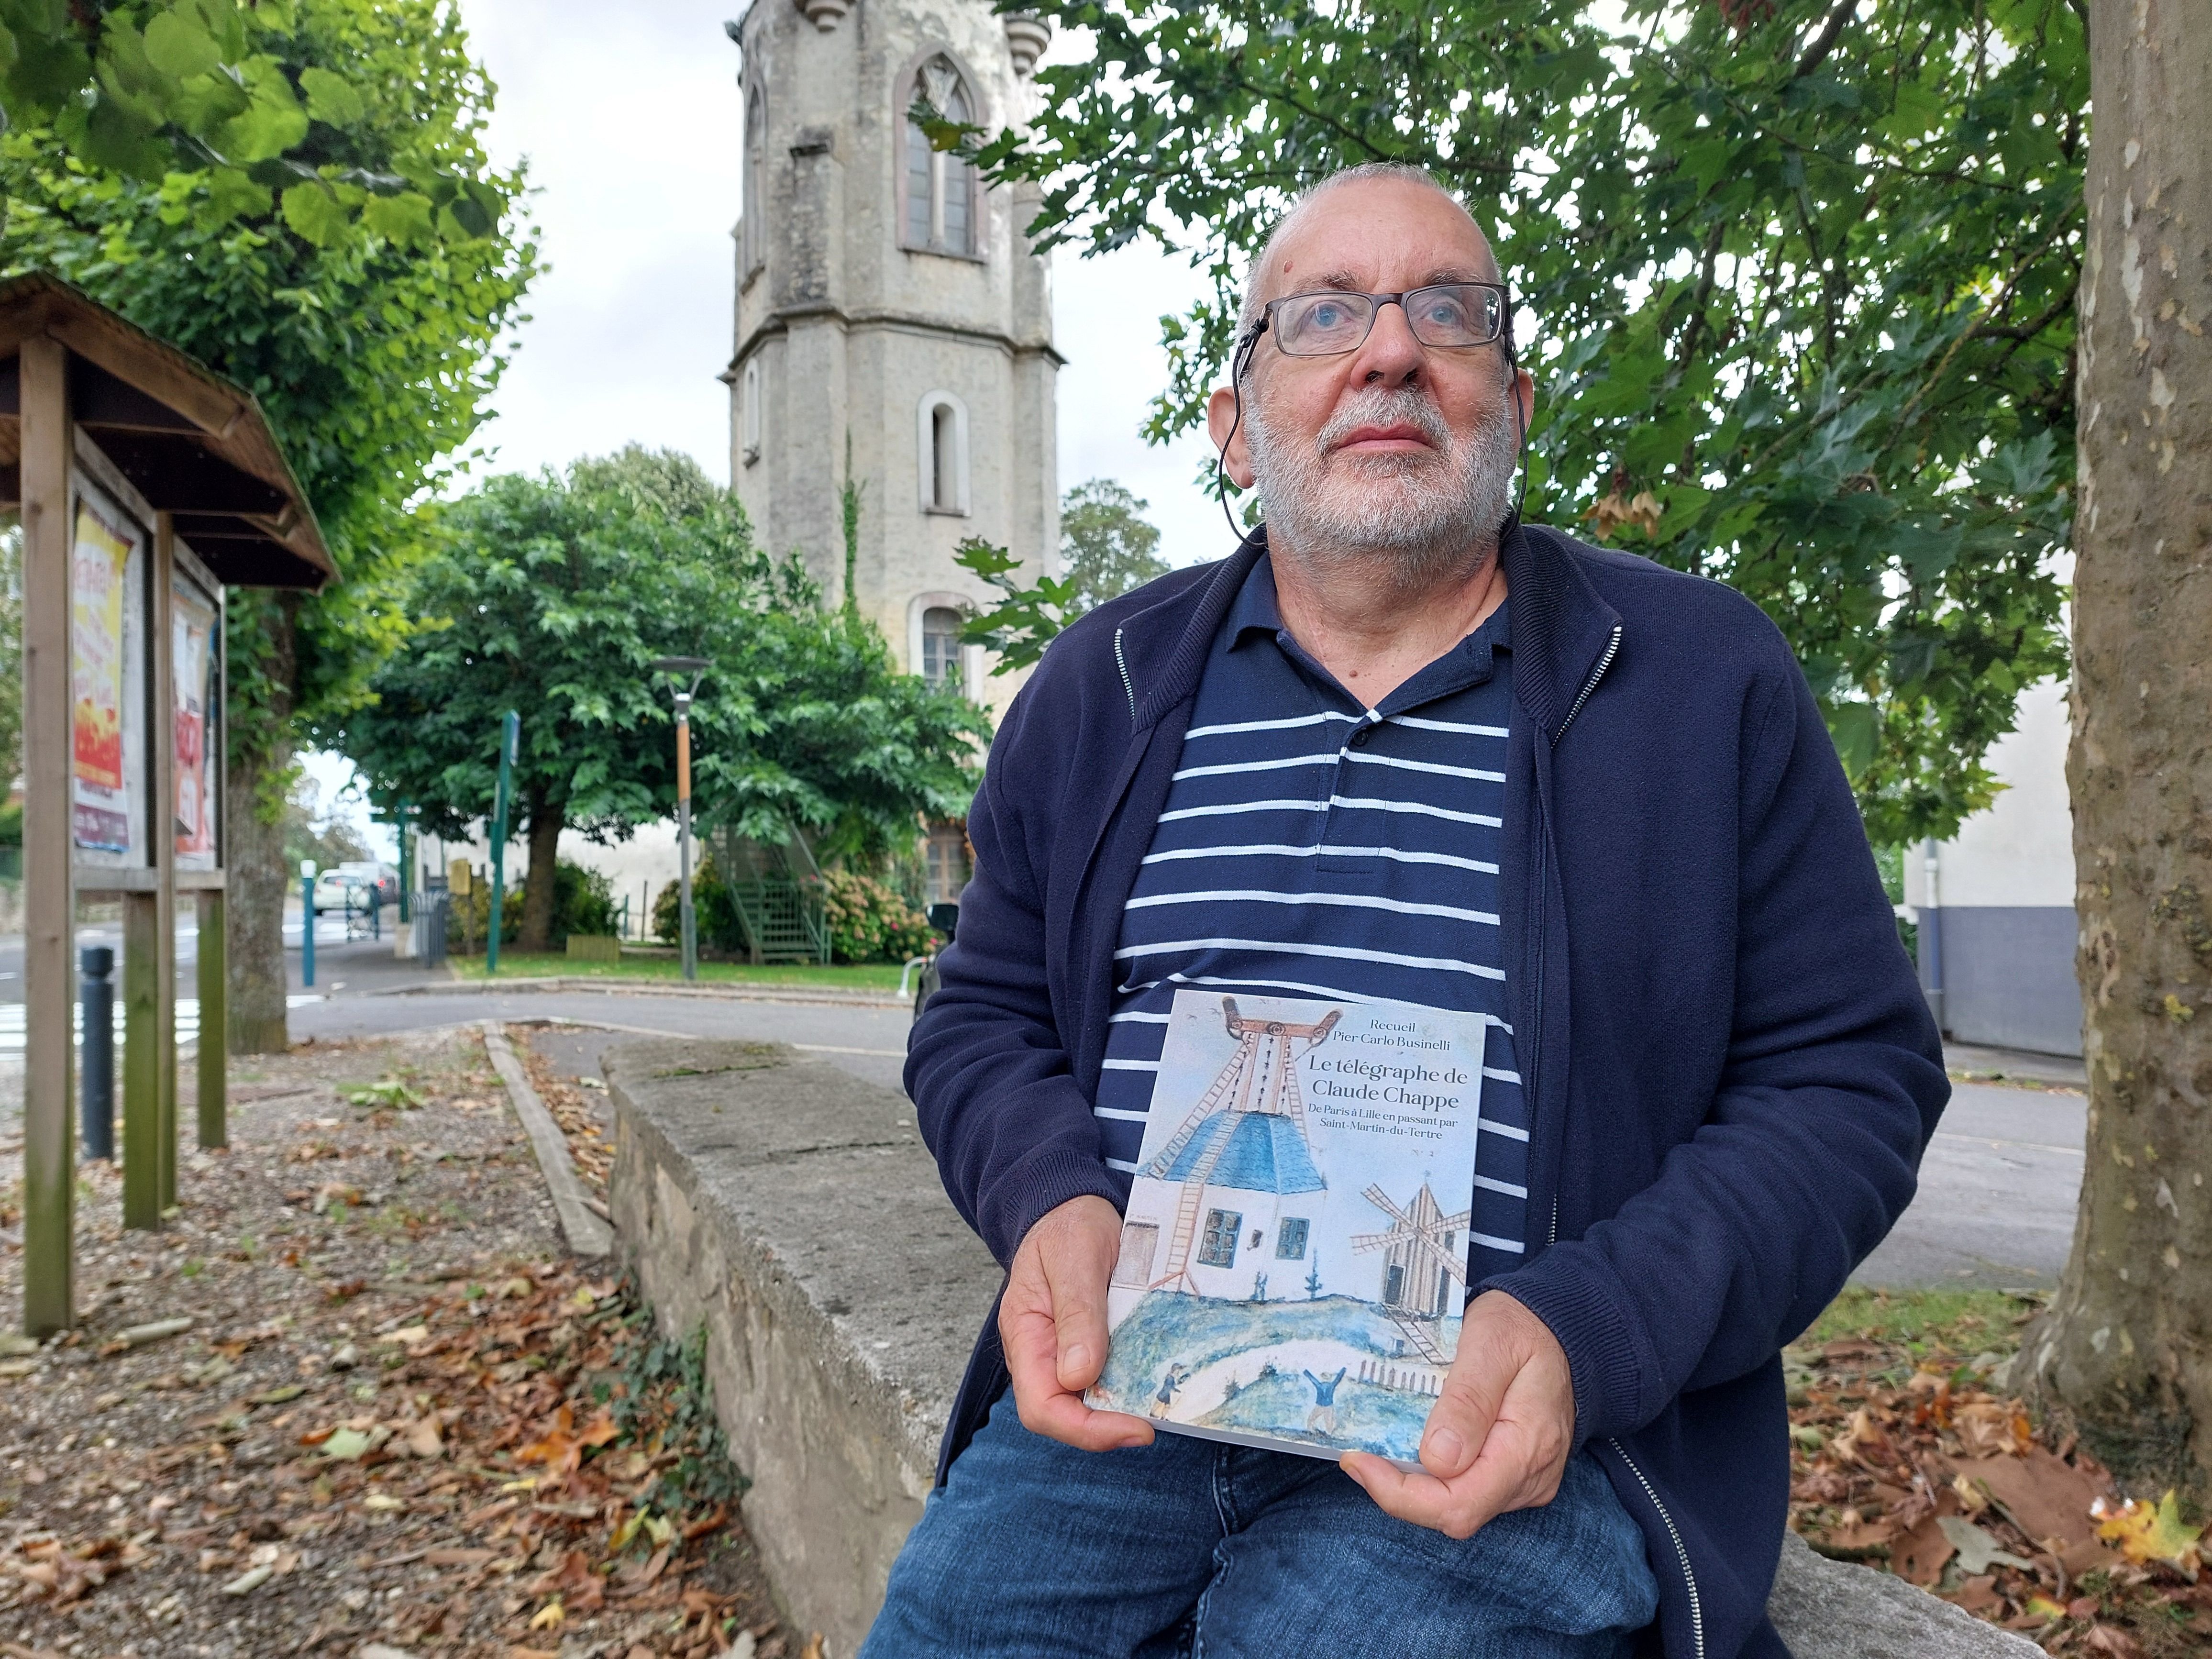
(1447, 314)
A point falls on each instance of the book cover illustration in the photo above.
(1293, 1258)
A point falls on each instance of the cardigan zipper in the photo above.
(1123, 663)
(1612, 649)
(1681, 1550)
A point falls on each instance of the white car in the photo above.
(357, 878)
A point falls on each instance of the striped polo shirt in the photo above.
(1313, 846)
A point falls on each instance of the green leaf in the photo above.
(331, 97)
(315, 214)
(404, 219)
(114, 136)
(273, 121)
(231, 195)
(1856, 730)
(177, 45)
(348, 1445)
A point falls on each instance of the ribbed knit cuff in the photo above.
(1572, 1290)
(1035, 1187)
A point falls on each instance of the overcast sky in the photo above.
(631, 136)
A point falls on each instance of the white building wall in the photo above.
(1995, 904)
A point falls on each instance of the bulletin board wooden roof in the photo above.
(193, 443)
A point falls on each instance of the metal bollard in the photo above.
(96, 997)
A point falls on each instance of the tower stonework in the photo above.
(886, 300)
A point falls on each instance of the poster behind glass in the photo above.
(106, 689)
(195, 662)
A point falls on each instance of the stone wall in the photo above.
(794, 1209)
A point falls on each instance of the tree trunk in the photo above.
(537, 893)
(256, 769)
(2126, 1346)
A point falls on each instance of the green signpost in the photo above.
(510, 744)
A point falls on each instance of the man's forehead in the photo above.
(1352, 237)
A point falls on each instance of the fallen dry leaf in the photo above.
(1921, 1554)
(2147, 1532)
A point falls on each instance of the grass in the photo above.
(641, 965)
(1922, 1320)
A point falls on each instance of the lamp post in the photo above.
(696, 668)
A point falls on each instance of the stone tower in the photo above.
(887, 300)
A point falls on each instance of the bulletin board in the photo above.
(109, 712)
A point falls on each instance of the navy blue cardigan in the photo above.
(1730, 1066)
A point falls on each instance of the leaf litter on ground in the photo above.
(402, 1420)
(1907, 1456)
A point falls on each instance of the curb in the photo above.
(824, 995)
(588, 1235)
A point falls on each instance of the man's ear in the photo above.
(1524, 387)
(1223, 426)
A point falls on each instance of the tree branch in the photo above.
(1825, 42)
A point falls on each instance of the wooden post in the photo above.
(49, 900)
(161, 824)
(214, 970)
(141, 1066)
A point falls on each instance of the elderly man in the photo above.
(1402, 747)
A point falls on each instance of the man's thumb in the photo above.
(1458, 1424)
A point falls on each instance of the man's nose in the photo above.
(1390, 354)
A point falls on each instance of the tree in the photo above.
(203, 85)
(1797, 279)
(2127, 1343)
(1107, 547)
(328, 840)
(370, 341)
(551, 596)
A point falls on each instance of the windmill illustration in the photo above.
(1421, 1261)
(1247, 1132)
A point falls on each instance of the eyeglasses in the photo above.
(1328, 324)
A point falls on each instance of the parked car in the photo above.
(946, 919)
(357, 878)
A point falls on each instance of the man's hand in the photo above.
(1498, 1435)
(1052, 1322)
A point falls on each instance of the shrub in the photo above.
(583, 902)
(869, 921)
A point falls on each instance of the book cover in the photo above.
(1293, 1259)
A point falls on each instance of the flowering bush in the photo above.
(870, 922)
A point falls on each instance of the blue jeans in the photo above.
(1033, 1549)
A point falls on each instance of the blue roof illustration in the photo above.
(1265, 1153)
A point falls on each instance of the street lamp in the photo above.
(696, 668)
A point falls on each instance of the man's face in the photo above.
(1395, 448)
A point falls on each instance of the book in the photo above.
(1293, 1259)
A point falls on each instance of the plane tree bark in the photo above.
(2126, 1347)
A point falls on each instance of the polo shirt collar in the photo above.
(1255, 614)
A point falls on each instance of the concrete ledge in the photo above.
(793, 1209)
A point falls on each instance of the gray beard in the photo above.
(1414, 519)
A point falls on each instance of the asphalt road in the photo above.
(1997, 1187)
(1997, 1191)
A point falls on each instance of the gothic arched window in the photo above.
(752, 235)
(941, 205)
